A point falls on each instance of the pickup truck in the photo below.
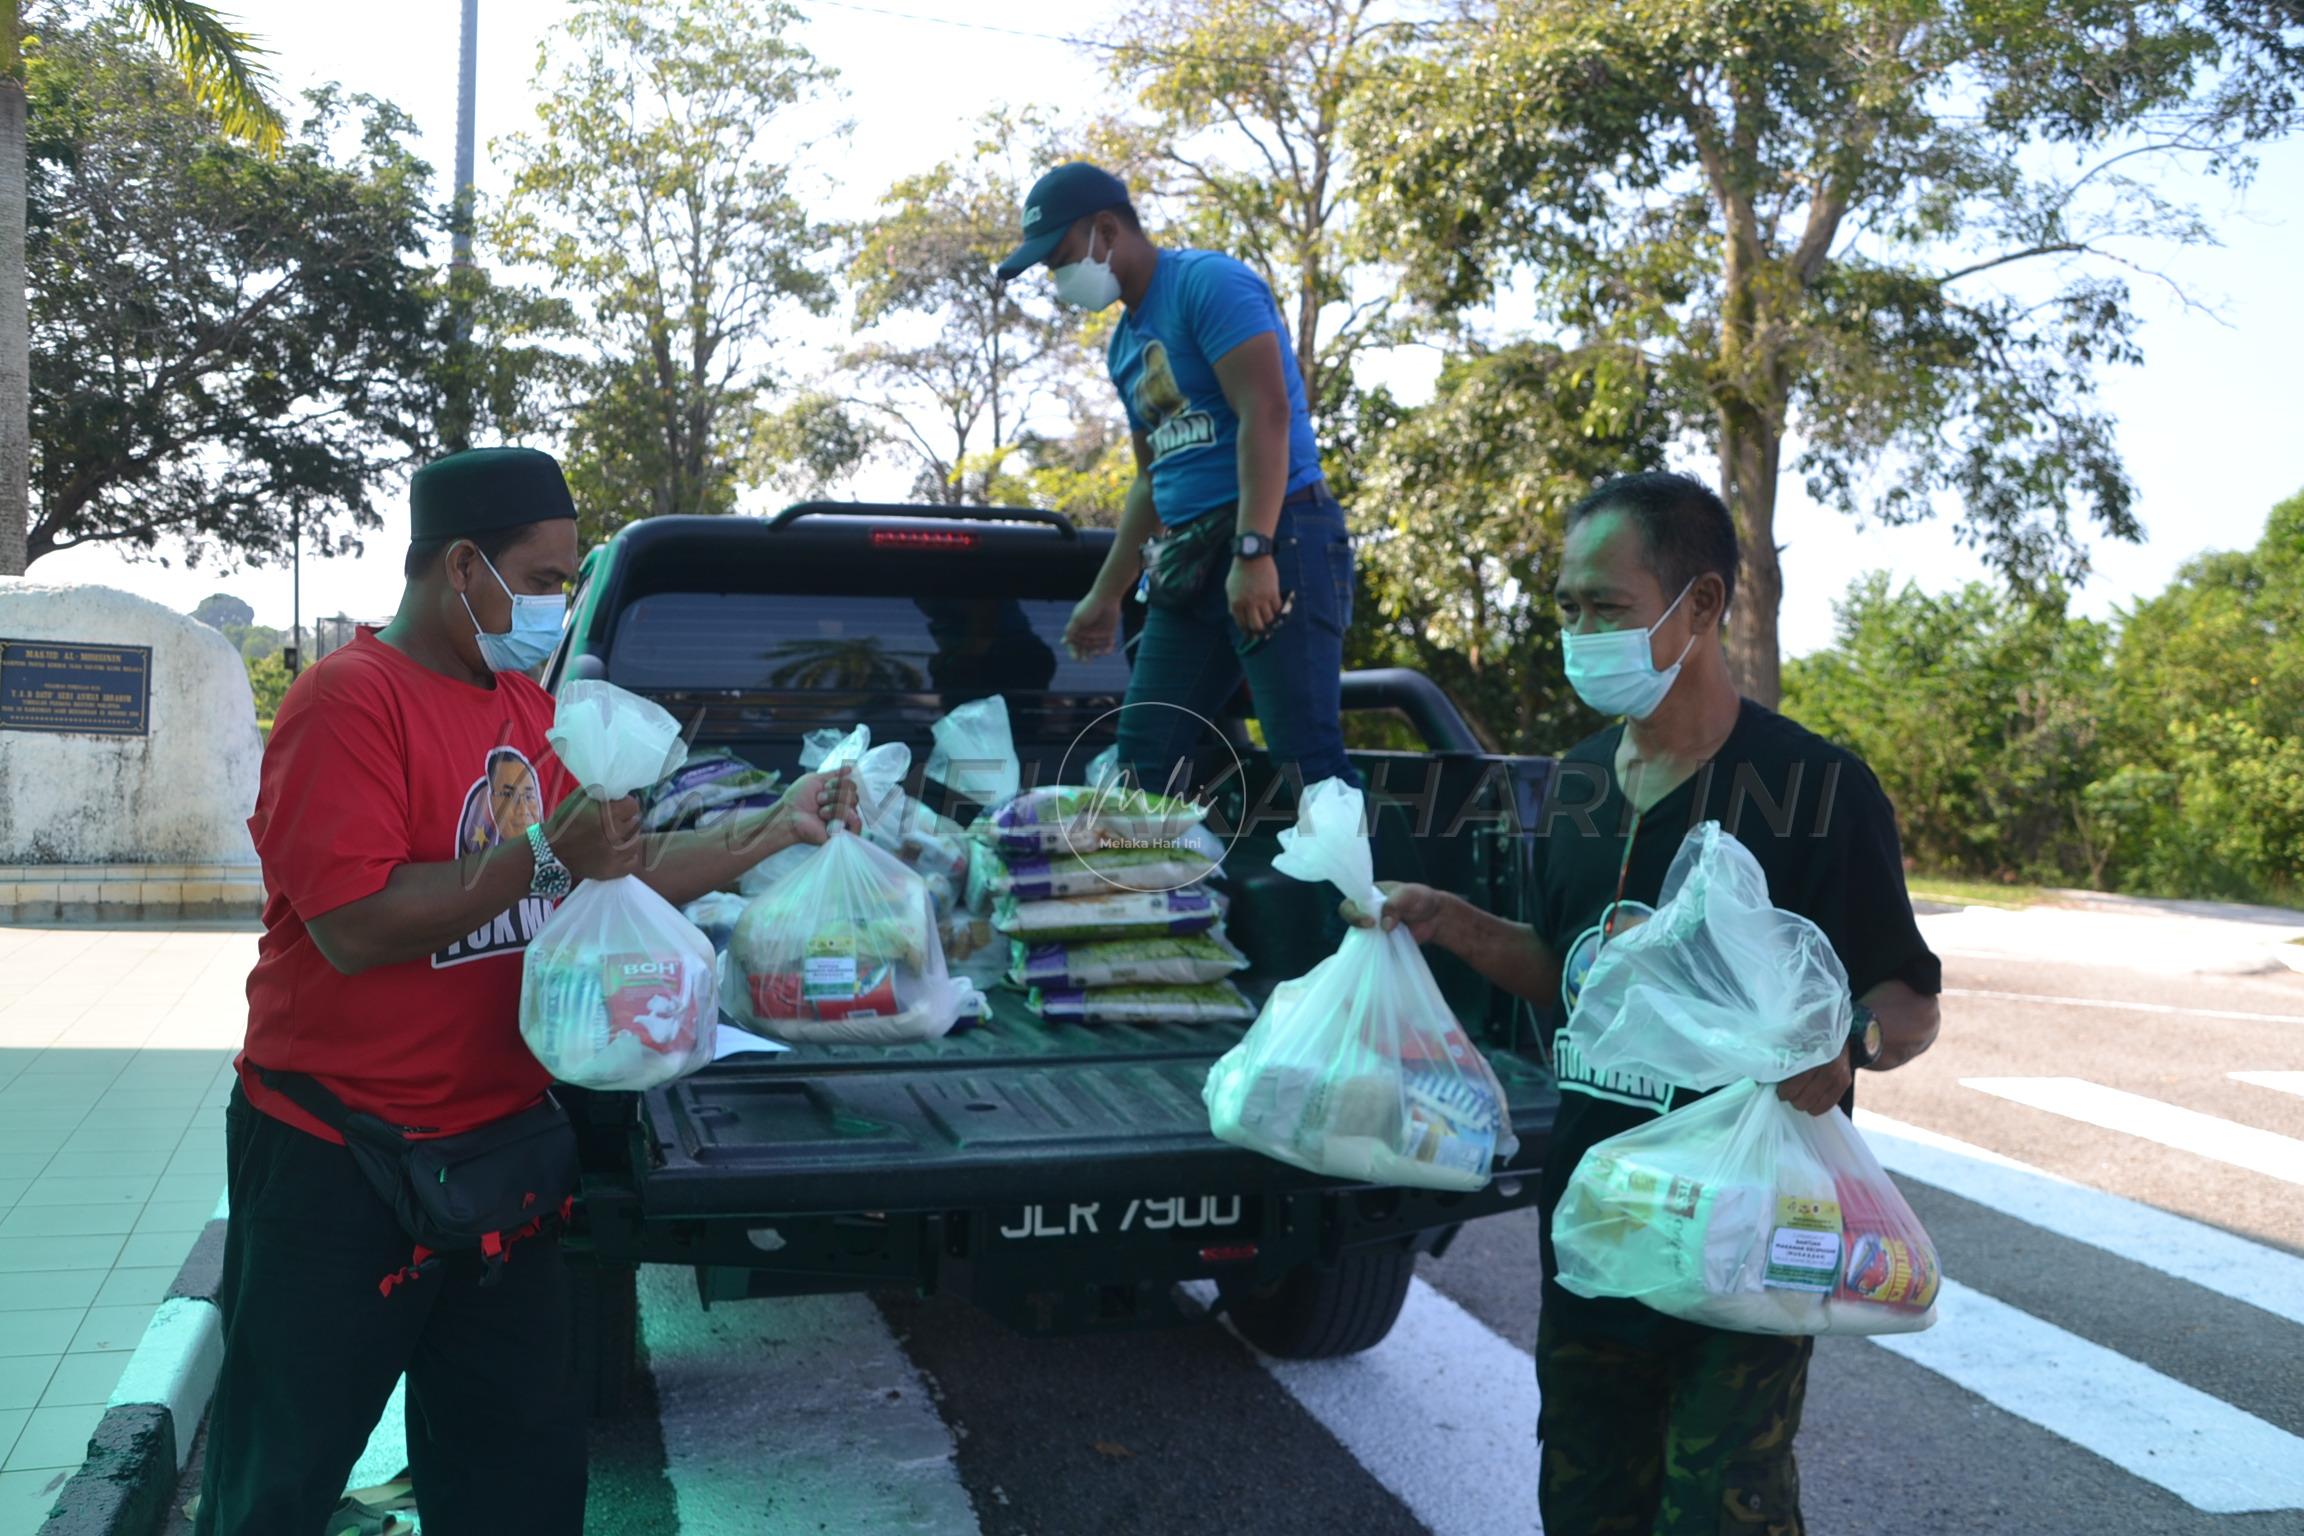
(1061, 1177)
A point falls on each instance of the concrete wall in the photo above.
(179, 795)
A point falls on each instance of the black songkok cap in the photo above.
(483, 489)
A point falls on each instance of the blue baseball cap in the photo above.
(1059, 200)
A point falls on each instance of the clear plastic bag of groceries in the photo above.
(933, 846)
(975, 753)
(617, 990)
(843, 950)
(1358, 1069)
(1736, 1211)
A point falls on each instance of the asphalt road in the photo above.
(2120, 1353)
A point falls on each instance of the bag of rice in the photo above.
(1142, 915)
(1211, 1001)
(1101, 872)
(1182, 962)
(1077, 818)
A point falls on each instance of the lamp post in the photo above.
(293, 649)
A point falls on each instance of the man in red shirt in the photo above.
(415, 831)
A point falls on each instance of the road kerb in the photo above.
(138, 1449)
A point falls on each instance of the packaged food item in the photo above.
(1207, 1003)
(715, 913)
(1359, 1069)
(1080, 818)
(1144, 914)
(843, 949)
(707, 782)
(616, 991)
(1186, 961)
(1737, 1210)
(1101, 872)
(1749, 1215)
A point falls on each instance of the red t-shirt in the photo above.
(376, 761)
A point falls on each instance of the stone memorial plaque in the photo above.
(75, 688)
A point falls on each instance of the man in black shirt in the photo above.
(1650, 1424)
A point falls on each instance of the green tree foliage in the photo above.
(657, 192)
(2208, 705)
(1461, 508)
(223, 343)
(223, 611)
(2022, 744)
(268, 680)
(1981, 713)
(1248, 108)
(951, 361)
(1823, 216)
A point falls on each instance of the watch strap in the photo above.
(1863, 1027)
(551, 877)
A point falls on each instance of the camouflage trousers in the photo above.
(1688, 1438)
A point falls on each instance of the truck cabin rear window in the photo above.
(874, 643)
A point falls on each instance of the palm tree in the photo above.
(861, 665)
(222, 67)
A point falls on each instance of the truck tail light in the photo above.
(1235, 1253)
(922, 538)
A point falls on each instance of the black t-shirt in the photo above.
(1821, 830)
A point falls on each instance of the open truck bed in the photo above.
(1063, 1176)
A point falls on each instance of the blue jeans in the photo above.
(1191, 659)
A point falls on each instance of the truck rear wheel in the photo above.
(1317, 1314)
(603, 1331)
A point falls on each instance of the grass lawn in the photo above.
(1972, 893)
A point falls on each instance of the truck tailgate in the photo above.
(1013, 1110)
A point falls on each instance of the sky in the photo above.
(2212, 425)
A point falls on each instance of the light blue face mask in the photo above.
(536, 626)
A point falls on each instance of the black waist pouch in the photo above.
(1180, 564)
(484, 1188)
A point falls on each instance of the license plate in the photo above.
(1106, 1218)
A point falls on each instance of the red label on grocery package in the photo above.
(647, 998)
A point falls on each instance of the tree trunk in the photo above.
(15, 328)
(1749, 453)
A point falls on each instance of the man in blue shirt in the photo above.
(1251, 574)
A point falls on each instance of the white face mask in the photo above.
(1087, 283)
(1615, 671)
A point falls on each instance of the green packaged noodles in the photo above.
(1212, 1002)
(1101, 872)
(1172, 962)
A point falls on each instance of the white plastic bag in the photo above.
(617, 990)
(1719, 985)
(975, 753)
(612, 742)
(844, 949)
(1737, 1211)
(931, 845)
(1359, 1069)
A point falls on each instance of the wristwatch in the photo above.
(1864, 1038)
(551, 879)
(1253, 546)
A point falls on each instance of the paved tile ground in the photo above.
(115, 1052)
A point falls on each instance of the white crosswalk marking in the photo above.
(2210, 1258)
(2208, 1453)
(2171, 1125)
(846, 1440)
(2278, 1082)
(1442, 1413)
(2117, 1006)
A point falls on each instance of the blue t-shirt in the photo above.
(1163, 361)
